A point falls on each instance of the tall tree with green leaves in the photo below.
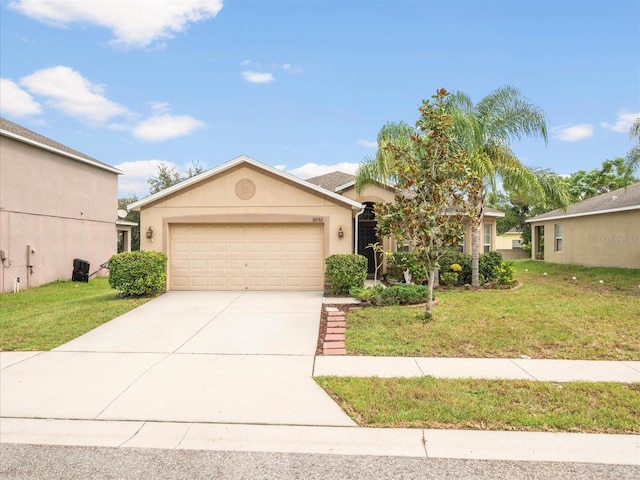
(613, 174)
(169, 176)
(132, 216)
(434, 182)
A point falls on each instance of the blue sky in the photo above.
(306, 85)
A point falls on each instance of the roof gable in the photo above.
(236, 162)
(615, 201)
(24, 135)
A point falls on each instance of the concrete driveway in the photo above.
(221, 357)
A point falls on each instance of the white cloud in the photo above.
(573, 133)
(134, 23)
(623, 123)
(73, 94)
(165, 126)
(309, 170)
(16, 102)
(136, 175)
(256, 77)
(367, 143)
(291, 69)
(280, 167)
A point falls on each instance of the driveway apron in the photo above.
(220, 357)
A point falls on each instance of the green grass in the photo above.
(45, 317)
(550, 316)
(520, 405)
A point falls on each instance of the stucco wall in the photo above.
(275, 200)
(505, 241)
(64, 208)
(467, 235)
(605, 240)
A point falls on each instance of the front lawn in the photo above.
(426, 402)
(45, 317)
(551, 316)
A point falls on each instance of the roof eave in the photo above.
(583, 214)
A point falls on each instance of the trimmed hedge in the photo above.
(405, 294)
(138, 273)
(344, 272)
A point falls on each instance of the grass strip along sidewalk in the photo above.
(45, 317)
(522, 405)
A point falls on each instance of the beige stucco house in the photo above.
(246, 225)
(602, 231)
(56, 204)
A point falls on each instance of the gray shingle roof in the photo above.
(25, 133)
(620, 199)
(332, 180)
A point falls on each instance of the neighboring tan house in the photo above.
(509, 240)
(602, 231)
(246, 225)
(56, 204)
(509, 244)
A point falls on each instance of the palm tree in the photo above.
(377, 169)
(484, 131)
(632, 162)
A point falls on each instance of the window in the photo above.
(459, 247)
(487, 238)
(558, 237)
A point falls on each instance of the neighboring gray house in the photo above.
(602, 231)
(56, 204)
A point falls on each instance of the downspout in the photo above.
(355, 233)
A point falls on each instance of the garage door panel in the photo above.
(217, 247)
(199, 247)
(200, 264)
(238, 257)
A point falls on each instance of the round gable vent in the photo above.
(245, 189)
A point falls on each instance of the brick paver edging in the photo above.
(334, 341)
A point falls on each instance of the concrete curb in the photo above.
(459, 444)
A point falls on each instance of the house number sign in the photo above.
(318, 219)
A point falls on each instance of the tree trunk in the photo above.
(475, 254)
(429, 308)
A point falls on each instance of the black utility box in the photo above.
(80, 270)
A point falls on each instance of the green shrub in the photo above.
(503, 274)
(345, 271)
(459, 258)
(138, 273)
(449, 279)
(487, 264)
(406, 294)
(398, 262)
(367, 294)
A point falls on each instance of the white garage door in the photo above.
(251, 257)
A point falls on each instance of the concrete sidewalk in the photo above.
(491, 368)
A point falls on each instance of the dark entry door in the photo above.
(366, 236)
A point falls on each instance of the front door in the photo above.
(366, 236)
